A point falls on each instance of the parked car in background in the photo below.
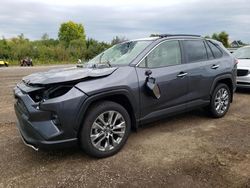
(232, 50)
(4, 63)
(243, 70)
(26, 62)
(128, 85)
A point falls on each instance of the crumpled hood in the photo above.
(243, 64)
(66, 75)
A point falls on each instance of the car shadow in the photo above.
(243, 90)
(179, 121)
(69, 154)
(169, 124)
(173, 123)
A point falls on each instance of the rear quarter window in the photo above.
(216, 50)
(209, 52)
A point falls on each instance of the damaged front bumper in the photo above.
(49, 124)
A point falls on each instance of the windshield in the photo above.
(120, 54)
(242, 53)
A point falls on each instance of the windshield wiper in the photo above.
(107, 62)
(104, 62)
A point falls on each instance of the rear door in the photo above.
(203, 66)
(165, 62)
(197, 60)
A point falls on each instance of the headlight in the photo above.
(49, 93)
(56, 91)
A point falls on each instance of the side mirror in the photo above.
(148, 73)
(151, 86)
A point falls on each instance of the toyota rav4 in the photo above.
(95, 105)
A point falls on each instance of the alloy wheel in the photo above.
(221, 101)
(108, 130)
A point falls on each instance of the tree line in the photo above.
(71, 45)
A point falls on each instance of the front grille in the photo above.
(242, 72)
(243, 83)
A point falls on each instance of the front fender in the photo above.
(91, 99)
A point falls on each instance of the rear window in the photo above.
(216, 51)
(195, 50)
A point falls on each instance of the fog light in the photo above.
(55, 119)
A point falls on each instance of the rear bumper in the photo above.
(36, 125)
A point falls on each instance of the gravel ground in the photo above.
(188, 150)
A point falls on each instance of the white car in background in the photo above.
(243, 70)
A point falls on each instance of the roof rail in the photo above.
(177, 35)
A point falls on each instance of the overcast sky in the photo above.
(104, 19)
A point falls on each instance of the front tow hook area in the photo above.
(29, 145)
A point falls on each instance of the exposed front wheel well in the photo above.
(123, 101)
(105, 129)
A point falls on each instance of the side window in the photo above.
(195, 50)
(209, 52)
(216, 51)
(166, 54)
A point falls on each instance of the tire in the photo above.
(220, 101)
(109, 140)
(6, 65)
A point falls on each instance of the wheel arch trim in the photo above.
(221, 78)
(104, 95)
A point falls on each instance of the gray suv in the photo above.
(95, 105)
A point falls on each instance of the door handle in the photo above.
(215, 66)
(182, 74)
